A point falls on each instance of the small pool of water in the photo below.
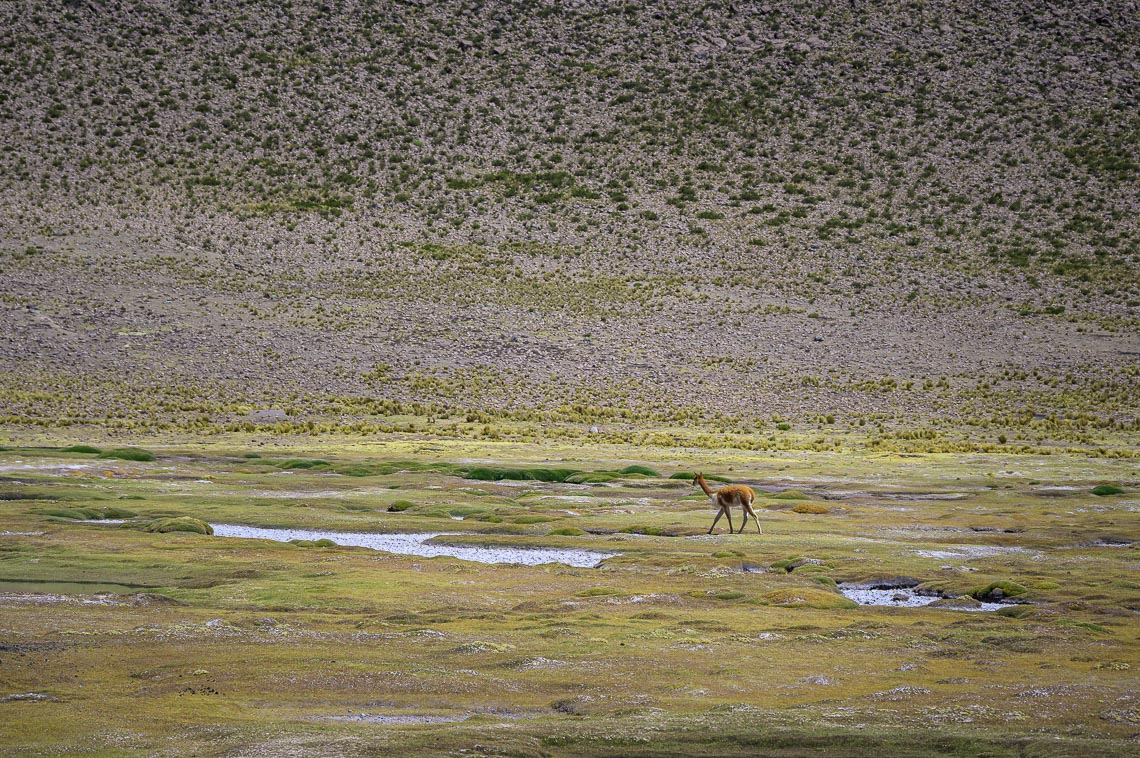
(418, 544)
(902, 597)
(68, 588)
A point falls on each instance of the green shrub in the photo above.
(789, 495)
(400, 505)
(129, 454)
(303, 543)
(251, 455)
(1107, 489)
(324, 542)
(81, 449)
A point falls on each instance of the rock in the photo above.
(153, 598)
(29, 696)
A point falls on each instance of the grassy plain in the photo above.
(679, 644)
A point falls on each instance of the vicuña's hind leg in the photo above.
(756, 518)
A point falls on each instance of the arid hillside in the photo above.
(917, 223)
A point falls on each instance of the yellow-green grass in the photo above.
(684, 644)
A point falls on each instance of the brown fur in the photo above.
(728, 497)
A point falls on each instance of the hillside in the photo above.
(917, 225)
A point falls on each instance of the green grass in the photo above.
(128, 454)
(80, 449)
(275, 639)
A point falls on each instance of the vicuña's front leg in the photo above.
(718, 515)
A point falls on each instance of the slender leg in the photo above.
(745, 521)
(757, 518)
(728, 512)
(718, 515)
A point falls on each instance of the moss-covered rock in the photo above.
(179, 524)
(997, 591)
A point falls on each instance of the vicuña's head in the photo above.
(698, 479)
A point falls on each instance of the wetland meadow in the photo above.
(420, 596)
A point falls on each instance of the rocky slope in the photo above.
(919, 215)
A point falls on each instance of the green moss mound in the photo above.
(998, 590)
(81, 449)
(808, 597)
(129, 454)
(643, 470)
(595, 477)
(303, 464)
(488, 474)
(86, 514)
(400, 505)
(179, 524)
(1103, 490)
(690, 476)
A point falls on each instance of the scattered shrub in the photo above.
(400, 505)
(1107, 489)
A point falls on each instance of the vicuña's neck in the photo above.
(704, 485)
